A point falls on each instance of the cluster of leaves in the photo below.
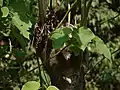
(77, 39)
(16, 19)
(17, 59)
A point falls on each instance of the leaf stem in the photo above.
(40, 77)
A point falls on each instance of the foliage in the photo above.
(31, 85)
(18, 59)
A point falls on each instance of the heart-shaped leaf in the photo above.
(31, 85)
(60, 36)
(85, 35)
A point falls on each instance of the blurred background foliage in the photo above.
(17, 58)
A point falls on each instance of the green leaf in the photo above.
(46, 77)
(20, 54)
(75, 35)
(85, 35)
(31, 85)
(22, 8)
(20, 38)
(75, 49)
(75, 46)
(21, 25)
(66, 30)
(102, 48)
(1, 3)
(5, 11)
(52, 88)
(59, 37)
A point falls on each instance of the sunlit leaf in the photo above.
(5, 11)
(31, 85)
(21, 25)
(52, 88)
(86, 35)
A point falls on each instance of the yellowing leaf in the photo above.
(31, 85)
(52, 88)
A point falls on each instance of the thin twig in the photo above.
(58, 52)
(10, 46)
(95, 64)
(110, 19)
(66, 14)
(40, 77)
(88, 7)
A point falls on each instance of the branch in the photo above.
(40, 77)
(42, 4)
(66, 14)
(69, 14)
(58, 52)
(110, 19)
(101, 60)
(10, 46)
(83, 12)
(89, 4)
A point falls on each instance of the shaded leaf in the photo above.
(20, 38)
(75, 49)
(59, 37)
(75, 46)
(20, 54)
(75, 35)
(102, 48)
(31, 85)
(22, 8)
(83, 36)
(5, 11)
